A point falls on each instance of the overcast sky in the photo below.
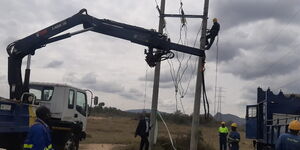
(258, 46)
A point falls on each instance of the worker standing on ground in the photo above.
(142, 130)
(39, 137)
(212, 33)
(291, 140)
(223, 132)
(234, 138)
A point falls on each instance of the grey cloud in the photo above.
(250, 94)
(89, 80)
(227, 52)
(54, 64)
(252, 69)
(166, 85)
(2, 78)
(291, 85)
(133, 94)
(106, 86)
(70, 77)
(255, 38)
(148, 77)
(240, 12)
(167, 104)
(165, 77)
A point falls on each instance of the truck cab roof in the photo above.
(54, 85)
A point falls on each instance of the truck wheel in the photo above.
(71, 145)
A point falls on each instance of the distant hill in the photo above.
(139, 110)
(230, 118)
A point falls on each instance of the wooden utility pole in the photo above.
(156, 81)
(196, 113)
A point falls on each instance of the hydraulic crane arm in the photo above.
(28, 45)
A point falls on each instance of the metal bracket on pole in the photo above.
(185, 16)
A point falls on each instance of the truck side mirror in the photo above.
(28, 98)
(96, 100)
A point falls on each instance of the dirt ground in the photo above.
(98, 146)
(108, 133)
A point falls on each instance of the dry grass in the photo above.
(113, 130)
(120, 130)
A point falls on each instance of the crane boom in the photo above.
(28, 45)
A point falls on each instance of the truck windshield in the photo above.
(42, 93)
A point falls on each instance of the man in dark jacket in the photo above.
(142, 130)
(39, 137)
(212, 33)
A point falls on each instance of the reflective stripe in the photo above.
(49, 147)
(233, 139)
(32, 115)
(28, 145)
(223, 130)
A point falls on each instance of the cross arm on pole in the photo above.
(180, 15)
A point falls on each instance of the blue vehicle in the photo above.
(269, 118)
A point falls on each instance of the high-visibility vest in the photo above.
(223, 130)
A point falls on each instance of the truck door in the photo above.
(81, 108)
(251, 122)
(69, 110)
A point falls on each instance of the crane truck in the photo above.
(270, 117)
(67, 104)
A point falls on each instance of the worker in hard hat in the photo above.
(291, 140)
(223, 132)
(234, 138)
(39, 137)
(212, 33)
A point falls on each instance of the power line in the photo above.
(156, 3)
(216, 77)
(145, 94)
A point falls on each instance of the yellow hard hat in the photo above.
(294, 125)
(234, 125)
(215, 20)
(222, 122)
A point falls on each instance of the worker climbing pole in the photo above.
(212, 33)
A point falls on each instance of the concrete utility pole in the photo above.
(196, 113)
(156, 81)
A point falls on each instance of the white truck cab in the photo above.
(65, 102)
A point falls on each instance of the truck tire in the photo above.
(71, 144)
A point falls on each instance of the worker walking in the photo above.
(142, 130)
(39, 137)
(291, 140)
(234, 138)
(212, 33)
(223, 132)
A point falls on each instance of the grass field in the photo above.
(120, 130)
